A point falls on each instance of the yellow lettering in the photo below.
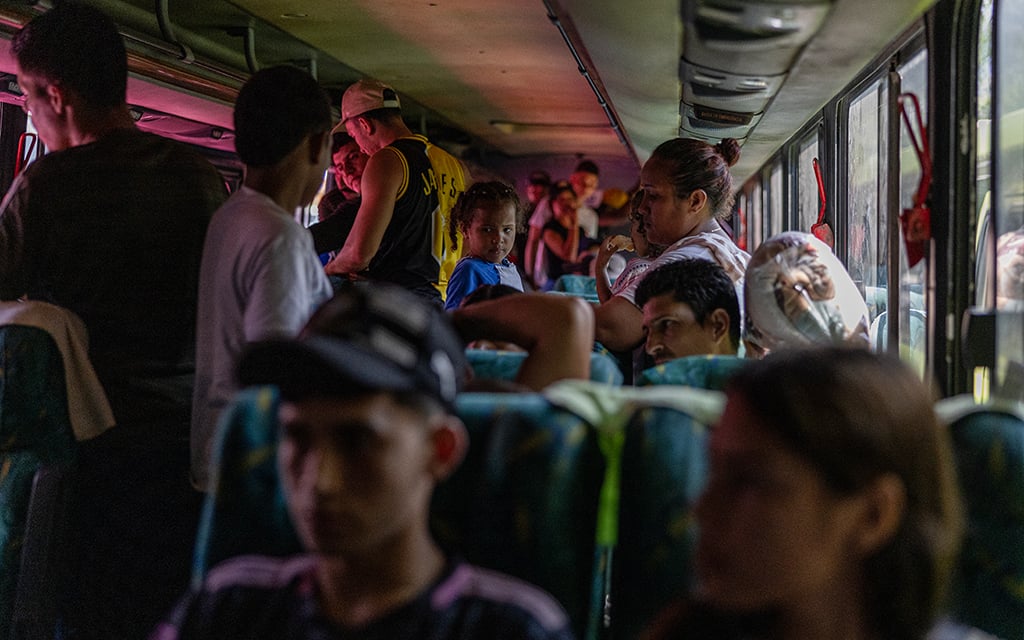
(429, 182)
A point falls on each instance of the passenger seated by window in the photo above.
(368, 428)
(487, 216)
(690, 308)
(637, 242)
(1010, 267)
(556, 331)
(798, 294)
(831, 510)
(567, 249)
(347, 164)
(260, 276)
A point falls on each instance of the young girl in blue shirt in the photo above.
(487, 216)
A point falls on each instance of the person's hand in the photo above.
(610, 246)
(332, 268)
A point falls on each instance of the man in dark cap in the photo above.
(536, 190)
(537, 185)
(367, 429)
(585, 181)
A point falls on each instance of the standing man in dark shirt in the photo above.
(408, 187)
(110, 225)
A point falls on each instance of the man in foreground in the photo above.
(367, 429)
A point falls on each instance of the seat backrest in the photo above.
(245, 512)
(653, 443)
(879, 331)
(703, 372)
(664, 467)
(524, 500)
(581, 286)
(988, 592)
(37, 456)
(504, 365)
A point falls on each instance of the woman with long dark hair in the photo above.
(832, 509)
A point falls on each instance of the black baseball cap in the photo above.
(375, 337)
(540, 177)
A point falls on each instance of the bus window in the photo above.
(807, 184)
(867, 126)
(37, 151)
(913, 328)
(741, 220)
(984, 234)
(1008, 191)
(755, 217)
(776, 202)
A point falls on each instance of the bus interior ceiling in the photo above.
(514, 86)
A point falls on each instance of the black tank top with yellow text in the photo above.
(405, 256)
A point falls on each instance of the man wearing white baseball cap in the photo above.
(408, 188)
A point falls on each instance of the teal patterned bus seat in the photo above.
(504, 365)
(703, 372)
(245, 512)
(653, 443)
(664, 467)
(555, 492)
(38, 453)
(576, 285)
(524, 500)
(988, 592)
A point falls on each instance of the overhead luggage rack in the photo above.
(736, 56)
(750, 37)
(715, 124)
(745, 93)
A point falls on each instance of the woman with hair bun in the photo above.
(686, 189)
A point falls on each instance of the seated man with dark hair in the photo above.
(367, 430)
(690, 308)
